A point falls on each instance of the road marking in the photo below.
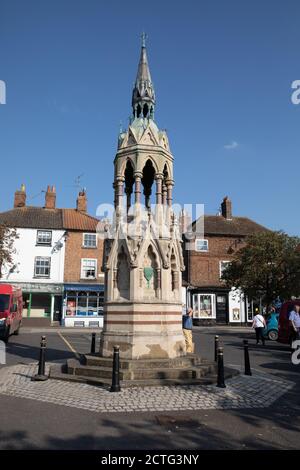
(69, 345)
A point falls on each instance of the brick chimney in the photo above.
(226, 208)
(20, 197)
(50, 198)
(81, 203)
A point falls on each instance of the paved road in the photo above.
(27, 423)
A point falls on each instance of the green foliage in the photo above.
(8, 236)
(268, 266)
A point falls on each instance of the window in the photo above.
(201, 245)
(84, 304)
(90, 240)
(204, 306)
(223, 266)
(88, 268)
(44, 237)
(4, 302)
(42, 267)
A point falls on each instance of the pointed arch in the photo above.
(148, 180)
(123, 274)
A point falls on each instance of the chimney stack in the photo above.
(20, 197)
(226, 208)
(81, 203)
(50, 198)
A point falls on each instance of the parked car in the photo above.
(271, 329)
(11, 309)
(285, 330)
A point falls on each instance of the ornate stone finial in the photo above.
(144, 37)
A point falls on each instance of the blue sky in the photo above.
(222, 72)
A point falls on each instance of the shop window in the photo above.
(42, 266)
(90, 240)
(82, 304)
(44, 237)
(204, 306)
(201, 244)
(88, 268)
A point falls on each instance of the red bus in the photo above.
(285, 329)
(11, 308)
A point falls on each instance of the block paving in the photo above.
(256, 391)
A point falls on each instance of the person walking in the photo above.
(294, 318)
(187, 326)
(259, 323)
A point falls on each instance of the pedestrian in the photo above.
(259, 324)
(187, 326)
(294, 318)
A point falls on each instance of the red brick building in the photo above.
(83, 276)
(206, 255)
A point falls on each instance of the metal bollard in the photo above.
(115, 385)
(247, 359)
(216, 347)
(220, 382)
(93, 344)
(41, 376)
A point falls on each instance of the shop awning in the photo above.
(84, 287)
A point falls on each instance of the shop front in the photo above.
(83, 305)
(216, 306)
(42, 301)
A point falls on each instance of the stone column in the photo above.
(137, 192)
(119, 190)
(164, 194)
(159, 178)
(170, 185)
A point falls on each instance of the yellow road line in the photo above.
(69, 345)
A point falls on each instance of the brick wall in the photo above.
(75, 252)
(203, 268)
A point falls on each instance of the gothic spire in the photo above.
(143, 96)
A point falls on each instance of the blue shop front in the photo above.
(83, 305)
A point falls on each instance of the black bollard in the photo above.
(93, 344)
(216, 347)
(220, 382)
(115, 385)
(41, 376)
(246, 357)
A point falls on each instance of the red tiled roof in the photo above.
(76, 220)
(32, 217)
(218, 225)
(55, 219)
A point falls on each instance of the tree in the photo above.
(8, 236)
(267, 267)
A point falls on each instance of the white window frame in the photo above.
(39, 243)
(89, 246)
(82, 271)
(213, 303)
(220, 266)
(201, 240)
(44, 276)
